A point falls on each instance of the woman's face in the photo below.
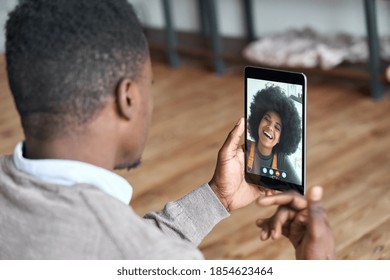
(270, 128)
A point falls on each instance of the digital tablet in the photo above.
(275, 131)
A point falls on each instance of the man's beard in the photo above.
(129, 166)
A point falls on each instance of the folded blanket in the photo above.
(308, 48)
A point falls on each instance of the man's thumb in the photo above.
(317, 216)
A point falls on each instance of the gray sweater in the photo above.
(47, 221)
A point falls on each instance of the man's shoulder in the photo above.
(99, 225)
(108, 208)
(6, 163)
(136, 237)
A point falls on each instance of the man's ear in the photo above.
(125, 97)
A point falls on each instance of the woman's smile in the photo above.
(270, 128)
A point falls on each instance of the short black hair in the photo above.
(273, 99)
(65, 58)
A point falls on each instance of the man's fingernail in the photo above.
(316, 193)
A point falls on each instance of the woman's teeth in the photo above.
(268, 135)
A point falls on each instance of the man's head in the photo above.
(71, 61)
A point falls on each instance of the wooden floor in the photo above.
(348, 153)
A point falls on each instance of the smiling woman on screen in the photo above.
(274, 124)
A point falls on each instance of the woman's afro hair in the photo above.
(273, 99)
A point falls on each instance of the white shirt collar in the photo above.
(70, 172)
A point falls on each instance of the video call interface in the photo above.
(282, 165)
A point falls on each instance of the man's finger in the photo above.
(317, 217)
(291, 199)
(276, 223)
(265, 229)
(319, 229)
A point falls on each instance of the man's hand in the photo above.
(303, 221)
(228, 182)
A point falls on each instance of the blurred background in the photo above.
(199, 49)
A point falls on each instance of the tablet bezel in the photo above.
(282, 76)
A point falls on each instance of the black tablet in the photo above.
(275, 132)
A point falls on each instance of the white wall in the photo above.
(270, 15)
(5, 7)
